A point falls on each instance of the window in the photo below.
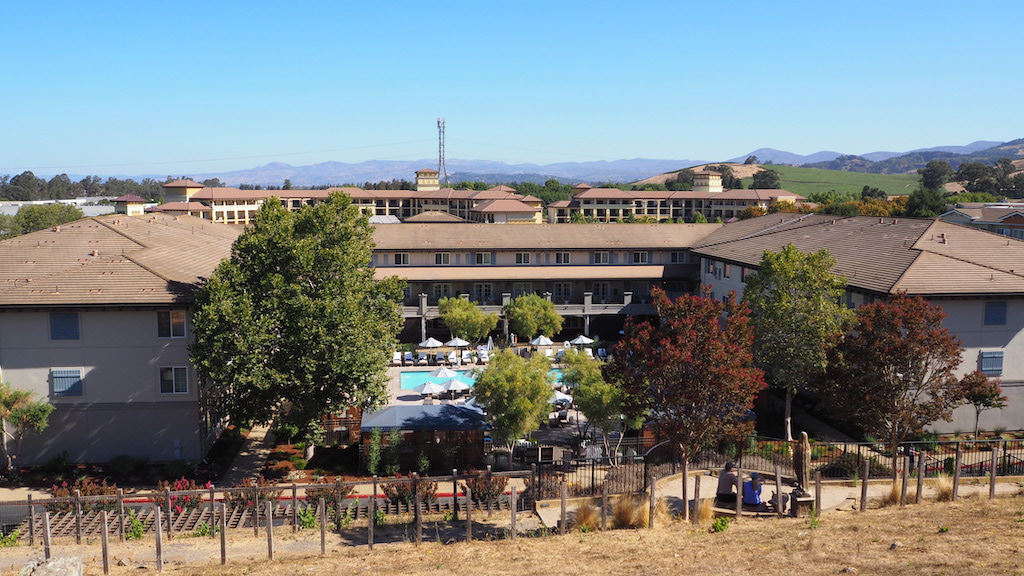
(66, 382)
(601, 258)
(601, 292)
(562, 258)
(710, 269)
(174, 380)
(483, 257)
(64, 326)
(521, 288)
(442, 258)
(640, 257)
(401, 258)
(483, 292)
(170, 324)
(522, 257)
(995, 313)
(563, 292)
(728, 270)
(992, 363)
(678, 258)
(442, 290)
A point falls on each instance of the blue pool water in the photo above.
(411, 380)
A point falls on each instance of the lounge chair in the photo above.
(560, 355)
(602, 353)
(407, 359)
(549, 353)
(453, 357)
(589, 352)
(439, 359)
(467, 357)
(396, 359)
(421, 359)
(484, 356)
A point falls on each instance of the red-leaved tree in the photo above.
(983, 393)
(894, 373)
(691, 371)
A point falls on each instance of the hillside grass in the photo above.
(805, 181)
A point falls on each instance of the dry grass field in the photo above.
(968, 537)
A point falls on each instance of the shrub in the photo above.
(850, 465)
(10, 539)
(124, 467)
(892, 497)
(135, 529)
(329, 492)
(587, 518)
(307, 518)
(943, 488)
(180, 502)
(402, 492)
(548, 484)
(87, 487)
(721, 524)
(373, 452)
(629, 512)
(705, 510)
(485, 489)
(250, 490)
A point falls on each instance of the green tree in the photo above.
(926, 203)
(729, 180)
(766, 179)
(935, 174)
(983, 393)
(699, 218)
(750, 160)
(870, 192)
(794, 301)
(8, 227)
(894, 373)
(19, 410)
(42, 216)
(465, 319)
(530, 315)
(515, 392)
(602, 402)
(295, 316)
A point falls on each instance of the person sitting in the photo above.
(727, 484)
(752, 491)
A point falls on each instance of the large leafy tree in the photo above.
(692, 371)
(894, 372)
(465, 319)
(982, 393)
(926, 203)
(935, 174)
(20, 413)
(516, 393)
(530, 315)
(766, 179)
(602, 402)
(794, 300)
(42, 216)
(295, 316)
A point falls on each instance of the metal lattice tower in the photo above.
(440, 152)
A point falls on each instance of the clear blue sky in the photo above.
(140, 87)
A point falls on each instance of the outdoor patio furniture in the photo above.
(396, 359)
(421, 360)
(407, 359)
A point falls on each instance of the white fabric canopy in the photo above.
(431, 343)
(444, 372)
(456, 342)
(581, 340)
(541, 340)
(428, 388)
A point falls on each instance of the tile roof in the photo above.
(181, 207)
(183, 184)
(129, 198)
(554, 272)
(505, 205)
(427, 171)
(453, 237)
(112, 260)
(434, 216)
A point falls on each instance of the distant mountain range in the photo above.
(773, 156)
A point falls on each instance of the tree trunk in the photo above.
(788, 420)
(893, 446)
(977, 420)
(4, 454)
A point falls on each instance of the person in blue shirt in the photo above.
(752, 490)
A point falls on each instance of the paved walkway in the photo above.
(251, 457)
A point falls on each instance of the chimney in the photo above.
(95, 253)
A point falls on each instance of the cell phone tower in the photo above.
(440, 152)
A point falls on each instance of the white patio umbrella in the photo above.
(541, 340)
(429, 388)
(557, 396)
(444, 372)
(456, 385)
(431, 343)
(581, 340)
(490, 343)
(456, 342)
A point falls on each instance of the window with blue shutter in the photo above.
(64, 326)
(66, 382)
(992, 363)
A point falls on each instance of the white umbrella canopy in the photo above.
(431, 343)
(456, 342)
(541, 340)
(455, 385)
(581, 340)
(559, 397)
(428, 388)
(444, 372)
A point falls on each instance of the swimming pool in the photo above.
(410, 380)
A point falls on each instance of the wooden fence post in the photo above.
(903, 483)
(778, 491)
(864, 485)
(295, 508)
(817, 492)
(78, 516)
(490, 509)
(696, 499)
(256, 512)
(223, 534)
(373, 515)
(604, 506)
(922, 469)
(956, 472)
(213, 511)
(564, 516)
(992, 477)
(270, 530)
(337, 505)
(651, 500)
(104, 541)
(31, 523)
(469, 514)
(170, 517)
(417, 514)
(455, 495)
(120, 514)
(159, 541)
(686, 482)
(46, 534)
(739, 493)
(514, 505)
(321, 510)
(536, 481)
